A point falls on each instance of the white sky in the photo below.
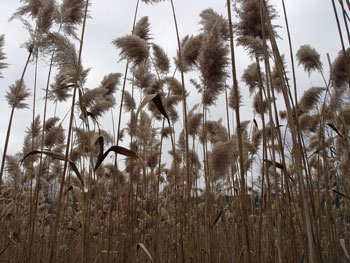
(311, 22)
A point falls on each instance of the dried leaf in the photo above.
(278, 165)
(146, 251)
(156, 100)
(342, 243)
(59, 156)
(118, 150)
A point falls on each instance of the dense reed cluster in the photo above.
(182, 185)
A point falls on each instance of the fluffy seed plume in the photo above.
(309, 99)
(212, 60)
(46, 16)
(16, 95)
(309, 58)
(129, 102)
(251, 77)
(339, 69)
(151, 1)
(232, 100)
(190, 46)
(142, 29)
(210, 19)
(133, 48)
(161, 60)
(30, 7)
(72, 14)
(2, 55)
(110, 83)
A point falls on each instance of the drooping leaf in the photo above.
(278, 165)
(342, 243)
(146, 251)
(118, 150)
(58, 156)
(156, 100)
(334, 129)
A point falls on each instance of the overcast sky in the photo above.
(311, 22)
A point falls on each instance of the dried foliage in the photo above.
(133, 48)
(17, 94)
(309, 58)
(3, 65)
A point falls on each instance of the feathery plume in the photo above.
(275, 78)
(309, 58)
(142, 29)
(222, 155)
(30, 7)
(259, 105)
(72, 14)
(46, 16)
(210, 19)
(309, 99)
(194, 122)
(133, 48)
(102, 105)
(251, 77)
(339, 68)
(212, 60)
(2, 55)
(232, 101)
(17, 94)
(190, 46)
(129, 102)
(143, 78)
(214, 132)
(110, 83)
(161, 60)
(151, 1)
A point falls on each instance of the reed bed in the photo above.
(172, 183)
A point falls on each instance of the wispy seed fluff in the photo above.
(232, 100)
(251, 77)
(2, 54)
(161, 60)
(133, 48)
(210, 19)
(309, 58)
(212, 65)
(222, 155)
(16, 95)
(142, 29)
(309, 99)
(72, 13)
(190, 46)
(151, 1)
(339, 69)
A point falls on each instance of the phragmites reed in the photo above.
(209, 19)
(71, 15)
(142, 29)
(271, 189)
(309, 58)
(16, 95)
(232, 101)
(339, 69)
(161, 60)
(212, 60)
(190, 46)
(151, 1)
(309, 99)
(133, 48)
(250, 77)
(3, 65)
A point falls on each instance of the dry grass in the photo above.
(275, 189)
